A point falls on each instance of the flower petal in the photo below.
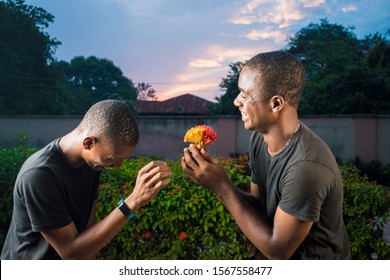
(202, 135)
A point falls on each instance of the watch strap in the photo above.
(125, 209)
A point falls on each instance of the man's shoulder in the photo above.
(310, 141)
(38, 164)
(45, 153)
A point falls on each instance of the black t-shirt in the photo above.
(304, 181)
(48, 194)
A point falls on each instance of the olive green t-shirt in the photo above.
(304, 181)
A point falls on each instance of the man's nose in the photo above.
(237, 101)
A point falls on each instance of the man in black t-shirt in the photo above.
(294, 208)
(56, 189)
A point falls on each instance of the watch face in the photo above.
(125, 209)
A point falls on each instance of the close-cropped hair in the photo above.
(279, 73)
(112, 120)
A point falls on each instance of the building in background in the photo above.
(186, 104)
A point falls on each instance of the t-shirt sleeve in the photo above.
(44, 200)
(304, 189)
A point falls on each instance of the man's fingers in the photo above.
(158, 178)
(153, 176)
(161, 184)
(207, 156)
(151, 169)
(151, 165)
(189, 159)
(201, 156)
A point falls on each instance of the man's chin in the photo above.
(248, 126)
(98, 168)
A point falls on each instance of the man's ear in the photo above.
(88, 142)
(277, 103)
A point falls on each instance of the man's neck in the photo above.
(70, 148)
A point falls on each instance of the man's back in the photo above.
(48, 194)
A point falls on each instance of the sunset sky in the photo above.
(186, 46)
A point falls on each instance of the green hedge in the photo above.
(186, 221)
(366, 210)
(11, 160)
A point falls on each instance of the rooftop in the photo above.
(186, 104)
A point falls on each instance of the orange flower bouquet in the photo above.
(202, 135)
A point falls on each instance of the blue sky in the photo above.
(186, 46)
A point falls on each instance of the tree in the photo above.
(33, 82)
(345, 75)
(340, 79)
(100, 77)
(327, 51)
(378, 55)
(229, 84)
(90, 80)
(26, 50)
(145, 92)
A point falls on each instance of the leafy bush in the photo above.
(366, 210)
(374, 170)
(184, 221)
(11, 160)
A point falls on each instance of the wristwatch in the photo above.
(125, 209)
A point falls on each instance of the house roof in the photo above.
(184, 104)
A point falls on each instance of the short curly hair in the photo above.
(112, 120)
(279, 73)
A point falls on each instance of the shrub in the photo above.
(183, 207)
(184, 221)
(11, 160)
(374, 170)
(366, 210)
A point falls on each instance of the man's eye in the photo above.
(244, 96)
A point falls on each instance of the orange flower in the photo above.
(182, 235)
(203, 135)
(146, 234)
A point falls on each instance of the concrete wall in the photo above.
(367, 137)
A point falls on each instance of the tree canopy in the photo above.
(339, 78)
(25, 53)
(145, 92)
(345, 75)
(229, 84)
(32, 81)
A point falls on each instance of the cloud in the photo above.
(200, 89)
(220, 56)
(256, 35)
(312, 3)
(348, 9)
(201, 76)
(280, 13)
(204, 63)
(226, 55)
(203, 82)
(252, 5)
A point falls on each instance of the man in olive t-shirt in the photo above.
(304, 181)
(294, 207)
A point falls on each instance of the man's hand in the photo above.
(151, 178)
(203, 169)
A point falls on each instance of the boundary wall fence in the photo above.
(366, 137)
